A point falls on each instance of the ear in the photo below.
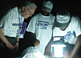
(23, 8)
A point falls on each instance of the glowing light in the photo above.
(57, 49)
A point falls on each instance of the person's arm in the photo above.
(48, 48)
(76, 47)
(17, 43)
(77, 23)
(5, 41)
(32, 25)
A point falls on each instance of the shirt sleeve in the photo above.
(5, 19)
(31, 25)
(77, 25)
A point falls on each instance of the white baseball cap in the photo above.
(47, 5)
(62, 19)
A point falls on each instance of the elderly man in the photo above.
(11, 26)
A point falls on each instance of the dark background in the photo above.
(73, 6)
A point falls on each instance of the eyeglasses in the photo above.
(29, 11)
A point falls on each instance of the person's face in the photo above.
(25, 12)
(63, 28)
(44, 12)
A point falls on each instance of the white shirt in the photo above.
(42, 27)
(10, 22)
(71, 32)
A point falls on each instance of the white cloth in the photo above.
(42, 27)
(10, 22)
(72, 31)
(32, 52)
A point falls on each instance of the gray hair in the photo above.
(29, 4)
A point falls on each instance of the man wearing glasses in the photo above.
(11, 26)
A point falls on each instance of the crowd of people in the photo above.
(43, 28)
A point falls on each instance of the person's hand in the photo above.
(10, 46)
(52, 55)
(67, 56)
(16, 46)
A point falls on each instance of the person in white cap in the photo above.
(41, 24)
(11, 27)
(70, 28)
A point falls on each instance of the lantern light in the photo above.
(57, 48)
